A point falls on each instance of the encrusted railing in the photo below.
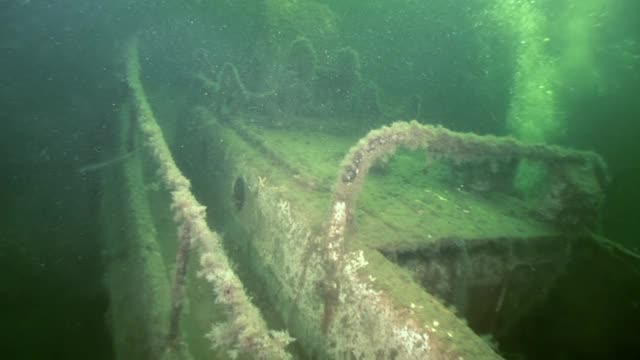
(350, 299)
(245, 331)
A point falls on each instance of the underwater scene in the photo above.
(320, 179)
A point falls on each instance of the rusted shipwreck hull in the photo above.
(413, 242)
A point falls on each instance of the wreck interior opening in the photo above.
(527, 308)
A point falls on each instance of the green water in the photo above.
(564, 72)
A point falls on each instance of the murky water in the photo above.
(561, 72)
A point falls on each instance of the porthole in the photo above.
(239, 193)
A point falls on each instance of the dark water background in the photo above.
(61, 78)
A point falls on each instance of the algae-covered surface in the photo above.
(315, 154)
(406, 204)
(407, 208)
(447, 331)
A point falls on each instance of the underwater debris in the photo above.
(103, 164)
(302, 59)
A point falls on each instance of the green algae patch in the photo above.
(314, 153)
(408, 207)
